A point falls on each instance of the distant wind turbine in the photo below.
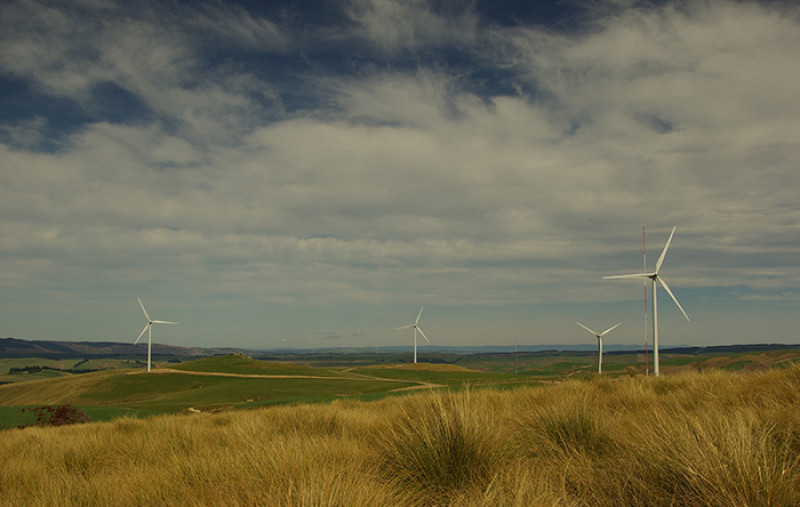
(600, 343)
(655, 280)
(415, 327)
(148, 327)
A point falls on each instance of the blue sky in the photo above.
(307, 174)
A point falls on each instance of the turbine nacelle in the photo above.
(600, 342)
(654, 276)
(600, 335)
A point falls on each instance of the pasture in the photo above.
(221, 383)
(709, 437)
(241, 382)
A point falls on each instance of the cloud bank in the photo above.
(391, 154)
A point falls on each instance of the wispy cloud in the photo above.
(412, 150)
(394, 27)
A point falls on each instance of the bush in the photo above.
(59, 416)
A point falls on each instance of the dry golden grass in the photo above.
(692, 439)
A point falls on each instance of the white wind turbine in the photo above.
(415, 327)
(600, 343)
(655, 280)
(148, 328)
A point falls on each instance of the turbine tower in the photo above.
(655, 280)
(148, 327)
(415, 327)
(600, 343)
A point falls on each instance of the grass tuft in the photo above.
(441, 444)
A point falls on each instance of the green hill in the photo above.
(244, 365)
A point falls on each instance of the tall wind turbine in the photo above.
(655, 280)
(415, 327)
(148, 327)
(600, 343)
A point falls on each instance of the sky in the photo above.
(308, 174)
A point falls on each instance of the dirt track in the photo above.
(352, 376)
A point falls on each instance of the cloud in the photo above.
(396, 26)
(26, 134)
(516, 173)
(155, 53)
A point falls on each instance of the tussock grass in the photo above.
(712, 438)
(440, 444)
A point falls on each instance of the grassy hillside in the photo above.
(53, 366)
(172, 392)
(244, 365)
(434, 373)
(243, 382)
(711, 438)
(212, 383)
(55, 391)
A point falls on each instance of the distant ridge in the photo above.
(538, 349)
(13, 347)
(727, 349)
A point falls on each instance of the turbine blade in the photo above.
(666, 247)
(666, 287)
(423, 334)
(405, 327)
(610, 329)
(145, 311)
(590, 330)
(419, 314)
(633, 275)
(163, 322)
(143, 332)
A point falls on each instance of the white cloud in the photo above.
(394, 26)
(388, 185)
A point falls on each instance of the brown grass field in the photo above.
(709, 438)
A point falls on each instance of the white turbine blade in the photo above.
(163, 322)
(666, 288)
(145, 311)
(419, 314)
(423, 334)
(664, 252)
(610, 329)
(142, 333)
(405, 327)
(633, 275)
(590, 330)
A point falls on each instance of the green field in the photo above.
(243, 365)
(448, 377)
(209, 384)
(173, 392)
(241, 382)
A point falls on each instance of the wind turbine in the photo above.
(415, 327)
(148, 328)
(655, 280)
(600, 343)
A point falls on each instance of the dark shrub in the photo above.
(59, 416)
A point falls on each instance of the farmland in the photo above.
(694, 436)
(236, 381)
